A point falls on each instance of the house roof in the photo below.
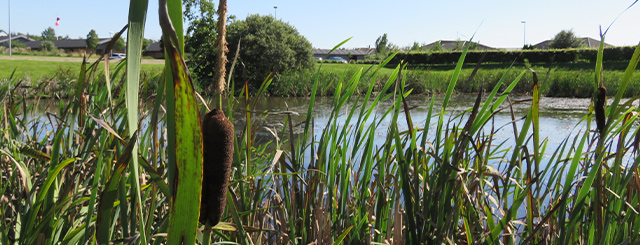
(154, 47)
(589, 42)
(23, 37)
(452, 44)
(67, 44)
(361, 51)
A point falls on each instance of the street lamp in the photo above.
(525, 33)
(275, 10)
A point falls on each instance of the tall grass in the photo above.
(69, 176)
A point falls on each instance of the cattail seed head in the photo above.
(601, 99)
(218, 136)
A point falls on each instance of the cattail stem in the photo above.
(218, 100)
(206, 234)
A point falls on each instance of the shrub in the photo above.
(268, 45)
(47, 46)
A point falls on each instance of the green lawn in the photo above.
(37, 70)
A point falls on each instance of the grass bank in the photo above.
(556, 80)
(55, 77)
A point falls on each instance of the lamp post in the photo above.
(9, 27)
(275, 11)
(525, 33)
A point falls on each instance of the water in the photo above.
(559, 117)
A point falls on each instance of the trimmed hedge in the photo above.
(534, 56)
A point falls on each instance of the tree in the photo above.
(458, 45)
(119, 45)
(48, 45)
(145, 44)
(268, 45)
(566, 39)
(197, 9)
(49, 34)
(200, 41)
(415, 47)
(92, 40)
(437, 47)
(382, 44)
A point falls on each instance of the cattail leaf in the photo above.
(187, 144)
(135, 38)
(109, 194)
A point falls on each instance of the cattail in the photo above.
(218, 135)
(601, 99)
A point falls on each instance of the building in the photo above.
(347, 54)
(154, 50)
(455, 45)
(589, 42)
(4, 40)
(73, 45)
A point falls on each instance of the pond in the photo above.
(559, 117)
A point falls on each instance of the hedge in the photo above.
(499, 56)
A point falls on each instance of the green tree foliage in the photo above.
(18, 45)
(92, 40)
(437, 47)
(119, 45)
(566, 39)
(49, 34)
(382, 44)
(145, 44)
(197, 9)
(200, 40)
(268, 45)
(416, 47)
(47, 45)
(459, 45)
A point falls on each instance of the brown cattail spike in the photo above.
(218, 135)
(601, 99)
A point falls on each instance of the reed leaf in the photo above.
(187, 183)
(135, 37)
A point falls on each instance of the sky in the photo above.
(496, 23)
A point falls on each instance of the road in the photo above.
(68, 59)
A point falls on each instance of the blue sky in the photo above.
(327, 23)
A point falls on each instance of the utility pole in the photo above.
(275, 10)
